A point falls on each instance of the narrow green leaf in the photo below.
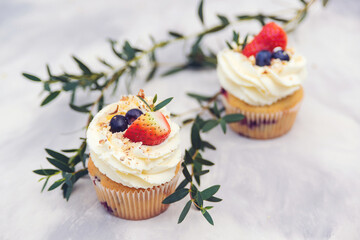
(82, 66)
(155, 99)
(201, 173)
(186, 121)
(223, 125)
(204, 161)
(185, 211)
(57, 155)
(210, 124)
(325, 2)
(208, 145)
(261, 19)
(73, 95)
(188, 158)
(45, 183)
(207, 216)
(48, 70)
(229, 45)
(31, 77)
(60, 78)
(208, 207)
(69, 86)
(209, 192)
(214, 29)
(113, 43)
(56, 184)
(41, 179)
(214, 199)
(69, 150)
(186, 173)
(176, 196)
(46, 172)
(245, 17)
(173, 70)
(47, 87)
(59, 164)
(236, 117)
(79, 174)
(201, 11)
(50, 97)
(194, 190)
(67, 191)
(79, 109)
(67, 186)
(196, 46)
(176, 34)
(195, 136)
(199, 97)
(278, 19)
(129, 51)
(223, 19)
(105, 63)
(143, 100)
(182, 184)
(199, 199)
(101, 103)
(245, 42)
(236, 37)
(151, 73)
(162, 104)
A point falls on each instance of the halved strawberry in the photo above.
(151, 128)
(270, 37)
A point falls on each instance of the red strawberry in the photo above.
(270, 37)
(151, 128)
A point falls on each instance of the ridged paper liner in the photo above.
(263, 125)
(136, 204)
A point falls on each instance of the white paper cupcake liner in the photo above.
(135, 204)
(262, 125)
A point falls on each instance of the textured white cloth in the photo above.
(304, 185)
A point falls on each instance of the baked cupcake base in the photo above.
(264, 122)
(131, 203)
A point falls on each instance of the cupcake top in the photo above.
(265, 71)
(133, 145)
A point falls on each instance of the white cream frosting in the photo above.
(259, 86)
(129, 163)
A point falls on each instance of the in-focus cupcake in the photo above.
(263, 82)
(134, 157)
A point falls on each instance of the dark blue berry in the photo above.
(281, 54)
(133, 114)
(118, 123)
(263, 58)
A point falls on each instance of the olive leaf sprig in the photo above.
(194, 159)
(153, 107)
(66, 162)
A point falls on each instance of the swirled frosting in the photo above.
(132, 163)
(259, 86)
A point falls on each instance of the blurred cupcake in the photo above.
(263, 82)
(134, 158)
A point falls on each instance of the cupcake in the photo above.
(262, 81)
(134, 157)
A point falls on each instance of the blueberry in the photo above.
(133, 114)
(118, 123)
(281, 54)
(263, 58)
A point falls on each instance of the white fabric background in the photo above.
(304, 185)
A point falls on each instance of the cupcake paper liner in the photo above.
(263, 125)
(136, 204)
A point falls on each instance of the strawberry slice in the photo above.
(270, 37)
(151, 128)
